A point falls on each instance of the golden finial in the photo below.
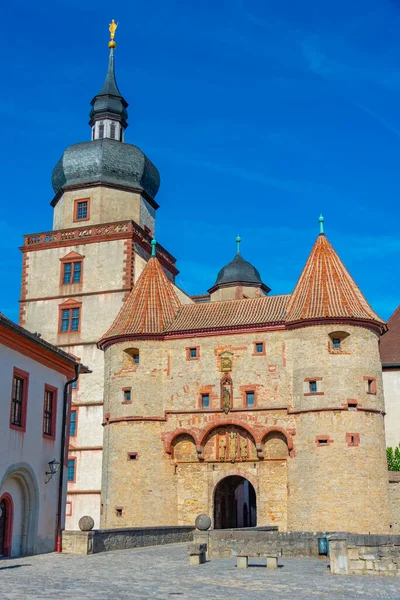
(112, 29)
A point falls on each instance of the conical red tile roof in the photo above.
(151, 306)
(326, 289)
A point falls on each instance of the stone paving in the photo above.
(163, 572)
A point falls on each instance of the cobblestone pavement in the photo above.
(163, 572)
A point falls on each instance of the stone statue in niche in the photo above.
(232, 446)
(243, 447)
(226, 361)
(226, 400)
(222, 447)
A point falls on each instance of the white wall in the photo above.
(391, 390)
(29, 450)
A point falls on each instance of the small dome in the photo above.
(238, 271)
(106, 161)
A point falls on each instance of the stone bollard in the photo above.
(197, 554)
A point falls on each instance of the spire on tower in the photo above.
(238, 240)
(108, 117)
(321, 225)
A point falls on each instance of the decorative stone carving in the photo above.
(226, 361)
(222, 447)
(243, 447)
(86, 523)
(226, 400)
(203, 522)
(232, 446)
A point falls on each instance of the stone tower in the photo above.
(255, 409)
(76, 277)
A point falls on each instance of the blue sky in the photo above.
(258, 114)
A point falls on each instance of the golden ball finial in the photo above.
(112, 29)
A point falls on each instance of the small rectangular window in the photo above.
(118, 512)
(71, 469)
(193, 352)
(205, 400)
(127, 395)
(49, 412)
(132, 455)
(68, 509)
(371, 386)
(313, 386)
(259, 347)
(75, 385)
(336, 343)
(17, 401)
(136, 359)
(352, 405)
(323, 442)
(72, 423)
(82, 210)
(250, 399)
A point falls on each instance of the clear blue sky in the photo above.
(258, 114)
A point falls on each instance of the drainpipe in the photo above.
(62, 455)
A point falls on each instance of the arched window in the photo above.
(112, 131)
(131, 357)
(338, 341)
(101, 130)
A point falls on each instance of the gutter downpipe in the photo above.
(62, 454)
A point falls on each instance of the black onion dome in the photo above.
(238, 271)
(106, 161)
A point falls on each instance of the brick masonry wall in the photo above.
(305, 486)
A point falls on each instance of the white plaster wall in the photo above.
(30, 447)
(82, 505)
(103, 269)
(391, 390)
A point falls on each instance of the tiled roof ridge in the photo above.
(151, 306)
(325, 289)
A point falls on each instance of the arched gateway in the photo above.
(235, 503)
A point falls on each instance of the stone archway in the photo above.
(235, 503)
(21, 480)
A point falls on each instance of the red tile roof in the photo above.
(267, 310)
(151, 306)
(326, 289)
(390, 342)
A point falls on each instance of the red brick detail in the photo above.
(129, 266)
(323, 440)
(313, 379)
(286, 432)
(353, 439)
(284, 354)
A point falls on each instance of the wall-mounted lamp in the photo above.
(54, 466)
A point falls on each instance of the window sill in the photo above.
(313, 393)
(20, 428)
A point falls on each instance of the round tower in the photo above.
(338, 480)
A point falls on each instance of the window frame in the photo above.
(124, 391)
(189, 351)
(76, 219)
(69, 305)
(246, 398)
(370, 385)
(202, 396)
(54, 391)
(255, 351)
(24, 375)
(73, 410)
(72, 459)
(68, 513)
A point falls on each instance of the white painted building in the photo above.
(390, 356)
(33, 376)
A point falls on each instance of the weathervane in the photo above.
(112, 29)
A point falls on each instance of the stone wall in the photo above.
(92, 542)
(224, 543)
(365, 554)
(394, 500)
